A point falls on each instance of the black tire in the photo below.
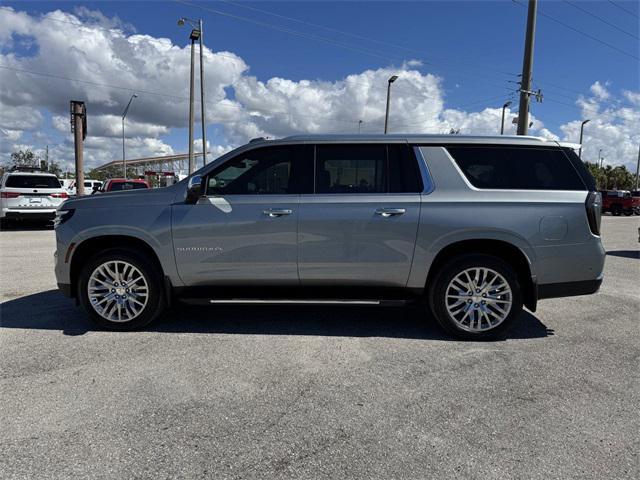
(152, 274)
(438, 289)
(628, 212)
(616, 210)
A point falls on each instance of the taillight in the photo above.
(9, 194)
(594, 211)
(59, 195)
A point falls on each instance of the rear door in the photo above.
(244, 230)
(360, 226)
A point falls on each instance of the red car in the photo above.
(620, 201)
(116, 184)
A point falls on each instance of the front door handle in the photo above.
(390, 212)
(277, 212)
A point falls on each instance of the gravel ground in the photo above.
(289, 392)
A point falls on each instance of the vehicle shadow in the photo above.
(50, 310)
(625, 253)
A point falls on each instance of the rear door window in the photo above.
(366, 169)
(115, 186)
(517, 168)
(32, 181)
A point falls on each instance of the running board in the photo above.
(285, 301)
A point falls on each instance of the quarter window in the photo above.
(517, 168)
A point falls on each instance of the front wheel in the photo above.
(476, 297)
(121, 290)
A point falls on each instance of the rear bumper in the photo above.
(29, 215)
(569, 289)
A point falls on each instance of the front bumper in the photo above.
(65, 288)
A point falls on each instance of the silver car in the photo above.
(476, 227)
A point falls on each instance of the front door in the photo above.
(243, 231)
(360, 227)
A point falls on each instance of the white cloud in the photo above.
(113, 62)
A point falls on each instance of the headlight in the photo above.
(62, 216)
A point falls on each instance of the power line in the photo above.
(615, 4)
(588, 35)
(601, 19)
(349, 34)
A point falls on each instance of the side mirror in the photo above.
(194, 189)
(95, 188)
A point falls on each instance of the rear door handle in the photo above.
(277, 212)
(390, 212)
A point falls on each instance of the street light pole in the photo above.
(638, 168)
(502, 124)
(386, 116)
(581, 132)
(124, 114)
(202, 104)
(359, 126)
(600, 157)
(194, 36)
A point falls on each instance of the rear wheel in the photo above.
(616, 210)
(476, 297)
(121, 290)
(628, 212)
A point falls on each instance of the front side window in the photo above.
(517, 168)
(262, 171)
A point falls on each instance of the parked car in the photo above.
(476, 227)
(118, 184)
(620, 201)
(90, 186)
(635, 195)
(30, 194)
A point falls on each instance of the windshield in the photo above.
(32, 181)
(127, 186)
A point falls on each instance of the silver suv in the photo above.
(476, 227)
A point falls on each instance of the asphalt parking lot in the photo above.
(284, 392)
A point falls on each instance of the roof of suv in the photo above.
(413, 138)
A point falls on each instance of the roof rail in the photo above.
(26, 168)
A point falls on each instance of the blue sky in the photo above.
(474, 47)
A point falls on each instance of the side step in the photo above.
(294, 301)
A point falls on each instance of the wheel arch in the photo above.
(93, 245)
(497, 248)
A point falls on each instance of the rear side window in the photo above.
(366, 169)
(32, 181)
(517, 168)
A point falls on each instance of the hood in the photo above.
(124, 198)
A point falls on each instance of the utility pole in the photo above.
(359, 126)
(202, 105)
(79, 129)
(46, 157)
(527, 67)
(638, 168)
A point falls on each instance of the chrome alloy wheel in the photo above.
(478, 299)
(118, 291)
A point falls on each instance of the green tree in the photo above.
(24, 158)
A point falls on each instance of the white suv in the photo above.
(30, 195)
